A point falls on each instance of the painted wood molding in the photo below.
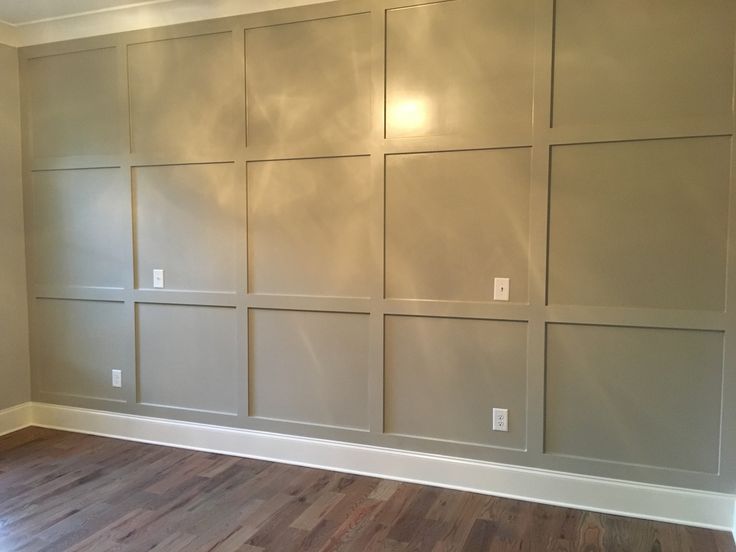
(15, 418)
(670, 504)
(139, 16)
(9, 35)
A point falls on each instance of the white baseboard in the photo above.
(15, 418)
(676, 505)
(670, 504)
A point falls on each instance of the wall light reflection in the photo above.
(408, 116)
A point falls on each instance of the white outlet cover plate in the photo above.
(117, 378)
(500, 419)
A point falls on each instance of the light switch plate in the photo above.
(158, 278)
(117, 378)
(500, 289)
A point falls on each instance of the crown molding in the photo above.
(9, 35)
(135, 17)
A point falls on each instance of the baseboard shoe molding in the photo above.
(15, 418)
(685, 506)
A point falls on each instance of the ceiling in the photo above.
(32, 22)
(20, 12)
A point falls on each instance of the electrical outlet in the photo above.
(500, 419)
(500, 289)
(158, 278)
(117, 378)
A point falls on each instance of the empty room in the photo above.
(367, 275)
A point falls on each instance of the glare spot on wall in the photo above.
(408, 116)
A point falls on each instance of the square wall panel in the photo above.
(455, 221)
(79, 344)
(635, 395)
(309, 367)
(189, 221)
(81, 228)
(309, 83)
(640, 224)
(309, 227)
(444, 377)
(630, 61)
(184, 96)
(74, 103)
(188, 357)
(460, 68)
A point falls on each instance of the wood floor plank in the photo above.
(309, 519)
(384, 490)
(69, 492)
(406, 526)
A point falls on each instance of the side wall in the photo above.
(14, 362)
(331, 192)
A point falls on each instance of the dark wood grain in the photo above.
(78, 493)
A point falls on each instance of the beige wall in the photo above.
(14, 366)
(331, 191)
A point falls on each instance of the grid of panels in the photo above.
(369, 123)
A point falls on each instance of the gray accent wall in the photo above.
(594, 371)
(332, 190)
(14, 361)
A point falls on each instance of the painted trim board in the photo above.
(9, 35)
(626, 498)
(140, 16)
(15, 418)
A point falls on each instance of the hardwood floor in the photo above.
(68, 492)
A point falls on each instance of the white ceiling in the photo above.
(21, 12)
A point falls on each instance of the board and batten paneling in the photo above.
(331, 191)
(324, 97)
(450, 229)
(438, 84)
(183, 94)
(625, 62)
(82, 223)
(314, 214)
(188, 357)
(324, 357)
(660, 205)
(79, 344)
(593, 371)
(444, 376)
(187, 222)
(66, 89)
